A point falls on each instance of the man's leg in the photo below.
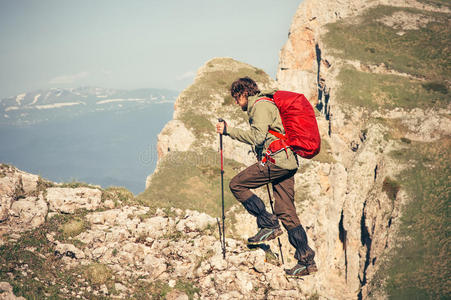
(251, 178)
(285, 210)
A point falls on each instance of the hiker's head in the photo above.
(243, 88)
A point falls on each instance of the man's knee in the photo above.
(240, 192)
(233, 185)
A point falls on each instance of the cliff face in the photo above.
(355, 214)
(351, 197)
(374, 202)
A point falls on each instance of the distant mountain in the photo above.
(58, 103)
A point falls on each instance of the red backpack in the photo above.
(299, 122)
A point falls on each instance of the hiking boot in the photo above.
(300, 270)
(264, 235)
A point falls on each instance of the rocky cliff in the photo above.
(374, 202)
(377, 97)
(348, 57)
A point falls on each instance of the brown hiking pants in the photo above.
(283, 189)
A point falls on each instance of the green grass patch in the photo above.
(438, 3)
(325, 154)
(197, 122)
(76, 184)
(119, 195)
(423, 52)
(189, 181)
(212, 86)
(188, 287)
(159, 289)
(419, 266)
(151, 290)
(436, 87)
(375, 91)
(73, 227)
(391, 188)
(98, 274)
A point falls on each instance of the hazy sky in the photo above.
(133, 44)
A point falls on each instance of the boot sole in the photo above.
(271, 237)
(309, 271)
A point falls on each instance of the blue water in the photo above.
(102, 148)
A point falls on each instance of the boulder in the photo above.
(68, 200)
(195, 221)
(69, 250)
(30, 212)
(156, 266)
(6, 292)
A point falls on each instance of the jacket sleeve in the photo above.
(256, 135)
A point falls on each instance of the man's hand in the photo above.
(221, 127)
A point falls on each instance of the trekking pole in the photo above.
(223, 245)
(272, 208)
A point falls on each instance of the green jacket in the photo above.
(263, 116)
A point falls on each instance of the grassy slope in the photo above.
(419, 266)
(423, 53)
(188, 180)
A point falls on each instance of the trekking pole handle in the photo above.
(225, 125)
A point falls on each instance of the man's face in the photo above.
(241, 100)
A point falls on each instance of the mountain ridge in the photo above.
(44, 105)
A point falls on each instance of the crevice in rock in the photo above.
(329, 131)
(326, 105)
(342, 236)
(318, 61)
(366, 241)
(323, 104)
(375, 172)
(363, 135)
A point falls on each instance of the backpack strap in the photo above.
(277, 134)
(277, 145)
(274, 133)
(264, 99)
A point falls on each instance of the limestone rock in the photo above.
(176, 295)
(195, 221)
(69, 250)
(244, 282)
(67, 200)
(174, 137)
(6, 292)
(29, 212)
(14, 184)
(155, 227)
(120, 287)
(156, 266)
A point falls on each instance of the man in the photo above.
(278, 170)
